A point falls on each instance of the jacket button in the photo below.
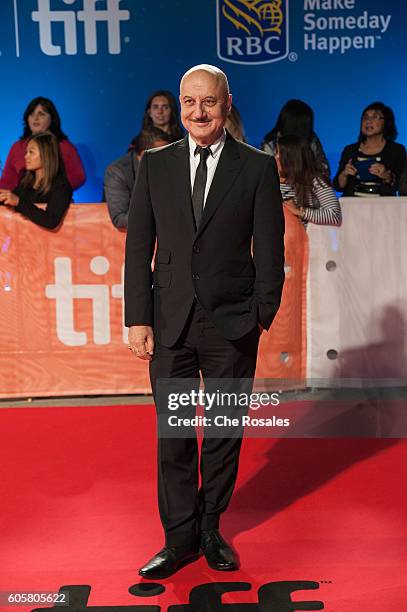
(197, 249)
(195, 276)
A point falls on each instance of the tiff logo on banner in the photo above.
(64, 292)
(90, 15)
(272, 596)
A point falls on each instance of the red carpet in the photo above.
(78, 507)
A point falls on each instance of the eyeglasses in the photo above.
(39, 114)
(374, 117)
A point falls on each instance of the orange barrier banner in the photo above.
(61, 309)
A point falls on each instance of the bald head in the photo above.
(205, 103)
(210, 70)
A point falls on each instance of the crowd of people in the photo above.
(374, 165)
(42, 168)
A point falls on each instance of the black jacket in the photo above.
(57, 202)
(215, 263)
(392, 157)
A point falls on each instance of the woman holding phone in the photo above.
(372, 166)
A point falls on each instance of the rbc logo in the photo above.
(90, 15)
(252, 31)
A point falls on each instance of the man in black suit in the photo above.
(209, 202)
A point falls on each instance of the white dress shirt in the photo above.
(211, 162)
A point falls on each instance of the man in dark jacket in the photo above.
(206, 201)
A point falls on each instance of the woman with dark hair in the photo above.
(43, 182)
(296, 118)
(162, 112)
(41, 116)
(372, 165)
(305, 189)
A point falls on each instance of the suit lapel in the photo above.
(226, 173)
(178, 166)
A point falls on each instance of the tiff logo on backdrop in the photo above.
(273, 596)
(90, 15)
(66, 293)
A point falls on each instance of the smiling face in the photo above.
(32, 157)
(160, 112)
(39, 120)
(205, 105)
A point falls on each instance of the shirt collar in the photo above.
(216, 146)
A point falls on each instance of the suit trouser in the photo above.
(184, 508)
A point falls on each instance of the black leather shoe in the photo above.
(167, 562)
(218, 553)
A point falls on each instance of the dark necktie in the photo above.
(198, 192)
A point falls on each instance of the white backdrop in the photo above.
(359, 307)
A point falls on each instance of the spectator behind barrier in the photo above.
(43, 182)
(162, 112)
(234, 125)
(296, 118)
(120, 176)
(372, 165)
(41, 116)
(304, 185)
(403, 181)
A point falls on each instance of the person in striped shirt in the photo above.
(305, 186)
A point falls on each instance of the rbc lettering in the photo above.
(252, 45)
(90, 16)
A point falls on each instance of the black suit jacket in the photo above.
(392, 157)
(214, 263)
